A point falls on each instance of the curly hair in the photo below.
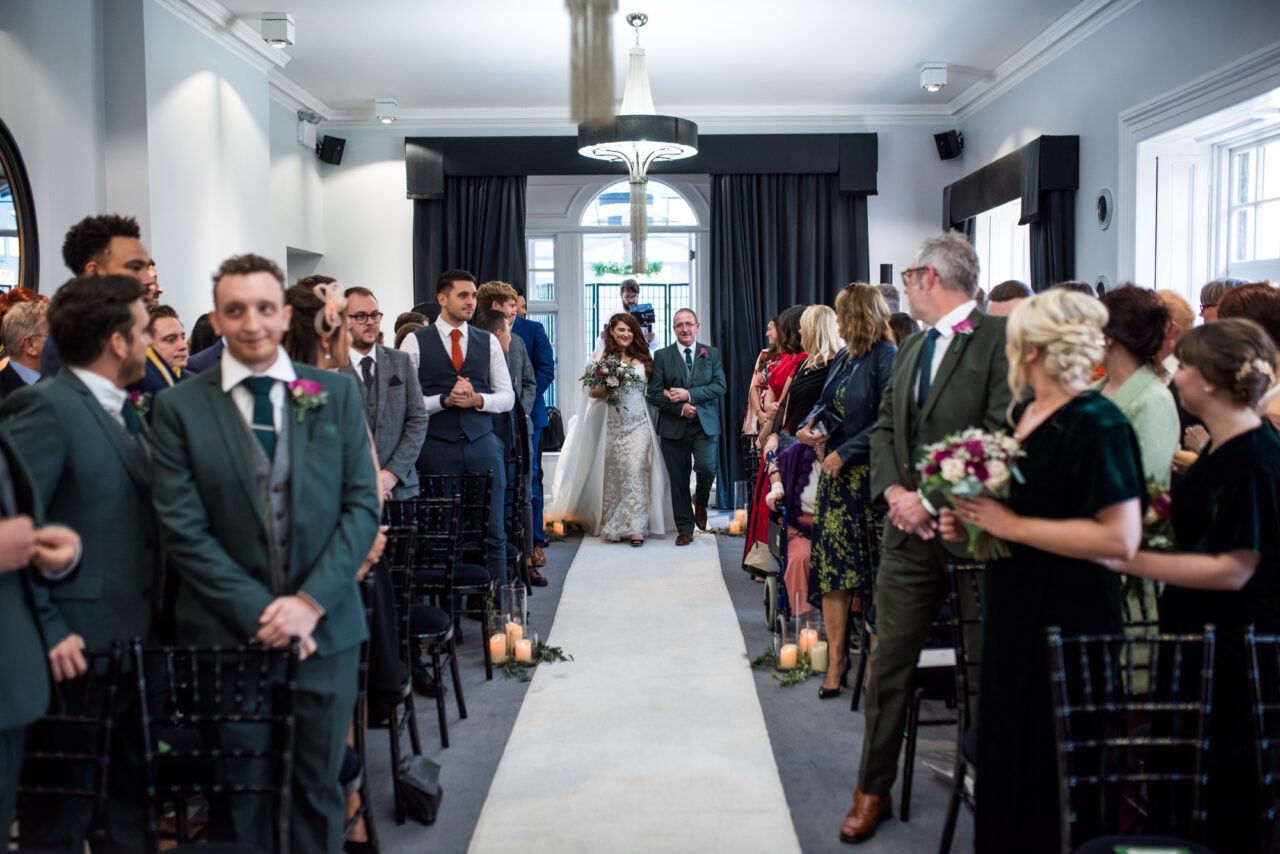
(864, 317)
(1136, 320)
(494, 291)
(86, 311)
(1235, 354)
(1259, 302)
(89, 239)
(638, 349)
(1066, 327)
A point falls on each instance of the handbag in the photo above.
(553, 433)
(418, 787)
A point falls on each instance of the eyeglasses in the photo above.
(1204, 307)
(363, 317)
(909, 272)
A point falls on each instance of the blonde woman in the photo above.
(1080, 500)
(846, 529)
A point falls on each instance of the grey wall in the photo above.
(1154, 47)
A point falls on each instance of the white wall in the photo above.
(1152, 48)
(208, 156)
(297, 191)
(51, 101)
(368, 221)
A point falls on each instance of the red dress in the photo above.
(779, 372)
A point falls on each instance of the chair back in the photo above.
(1131, 740)
(68, 751)
(1264, 685)
(473, 492)
(400, 514)
(217, 722)
(398, 558)
(964, 599)
(440, 527)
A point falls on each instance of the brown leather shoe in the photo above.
(684, 538)
(536, 578)
(539, 559)
(700, 516)
(867, 812)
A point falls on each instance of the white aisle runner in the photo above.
(652, 739)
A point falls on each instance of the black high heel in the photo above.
(828, 693)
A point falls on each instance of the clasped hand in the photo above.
(985, 513)
(907, 513)
(677, 395)
(49, 549)
(285, 618)
(462, 396)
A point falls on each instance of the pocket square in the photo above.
(394, 381)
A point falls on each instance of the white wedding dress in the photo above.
(611, 478)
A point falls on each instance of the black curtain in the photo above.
(776, 241)
(1053, 239)
(478, 226)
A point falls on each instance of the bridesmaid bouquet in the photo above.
(971, 464)
(1157, 524)
(613, 374)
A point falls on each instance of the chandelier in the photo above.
(638, 137)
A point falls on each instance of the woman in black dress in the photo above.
(1081, 500)
(1226, 516)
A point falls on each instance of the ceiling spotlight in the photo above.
(277, 29)
(386, 110)
(933, 76)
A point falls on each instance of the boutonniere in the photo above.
(307, 394)
(702, 352)
(141, 403)
(962, 329)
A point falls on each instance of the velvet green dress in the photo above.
(1082, 459)
(1230, 500)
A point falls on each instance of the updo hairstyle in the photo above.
(1066, 326)
(1234, 354)
(1136, 320)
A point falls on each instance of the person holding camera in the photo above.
(630, 290)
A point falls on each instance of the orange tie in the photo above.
(456, 335)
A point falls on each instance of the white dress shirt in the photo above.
(503, 396)
(106, 392)
(357, 357)
(234, 374)
(945, 335)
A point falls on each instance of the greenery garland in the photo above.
(613, 268)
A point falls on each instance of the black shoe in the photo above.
(353, 847)
(424, 683)
(828, 693)
(536, 578)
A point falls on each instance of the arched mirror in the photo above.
(19, 247)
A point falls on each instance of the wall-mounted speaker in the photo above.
(950, 144)
(329, 149)
(1106, 207)
(886, 274)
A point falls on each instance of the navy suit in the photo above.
(206, 358)
(544, 365)
(159, 375)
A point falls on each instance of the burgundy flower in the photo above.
(307, 387)
(1162, 505)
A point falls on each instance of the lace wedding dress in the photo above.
(611, 478)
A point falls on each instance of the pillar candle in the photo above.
(787, 657)
(741, 516)
(524, 651)
(558, 527)
(515, 632)
(498, 648)
(818, 656)
(808, 637)
(735, 527)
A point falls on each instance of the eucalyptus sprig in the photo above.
(768, 660)
(725, 532)
(542, 653)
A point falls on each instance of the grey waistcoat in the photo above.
(274, 481)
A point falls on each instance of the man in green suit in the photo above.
(948, 378)
(686, 387)
(267, 498)
(81, 438)
(29, 555)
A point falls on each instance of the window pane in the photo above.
(544, 285)
(613, 206)
(548, 321)
(1243, 186)
(667, 289)
(1242, 235)
(1268, 234)
(1271, 170)
(542, 253)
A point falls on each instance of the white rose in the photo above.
(612, 382)
(952, 470)
(997, 476)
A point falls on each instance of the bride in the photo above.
(611, 478)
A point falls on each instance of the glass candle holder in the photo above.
(741, 501)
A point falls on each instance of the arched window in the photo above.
(611, 208)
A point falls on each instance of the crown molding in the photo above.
(232, 32)
(284, 91)
(1083, 20)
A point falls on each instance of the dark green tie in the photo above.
(926, 364)
(131, 422)
(688, 363)
(264, 422)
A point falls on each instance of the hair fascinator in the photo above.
(333, 304)
(1259, 365)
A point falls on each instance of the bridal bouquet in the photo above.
(611, 373)
(972, 464)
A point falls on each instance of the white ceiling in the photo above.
(507, 61)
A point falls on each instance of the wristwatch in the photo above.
(444, 401)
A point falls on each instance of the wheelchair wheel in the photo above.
(770, 599)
